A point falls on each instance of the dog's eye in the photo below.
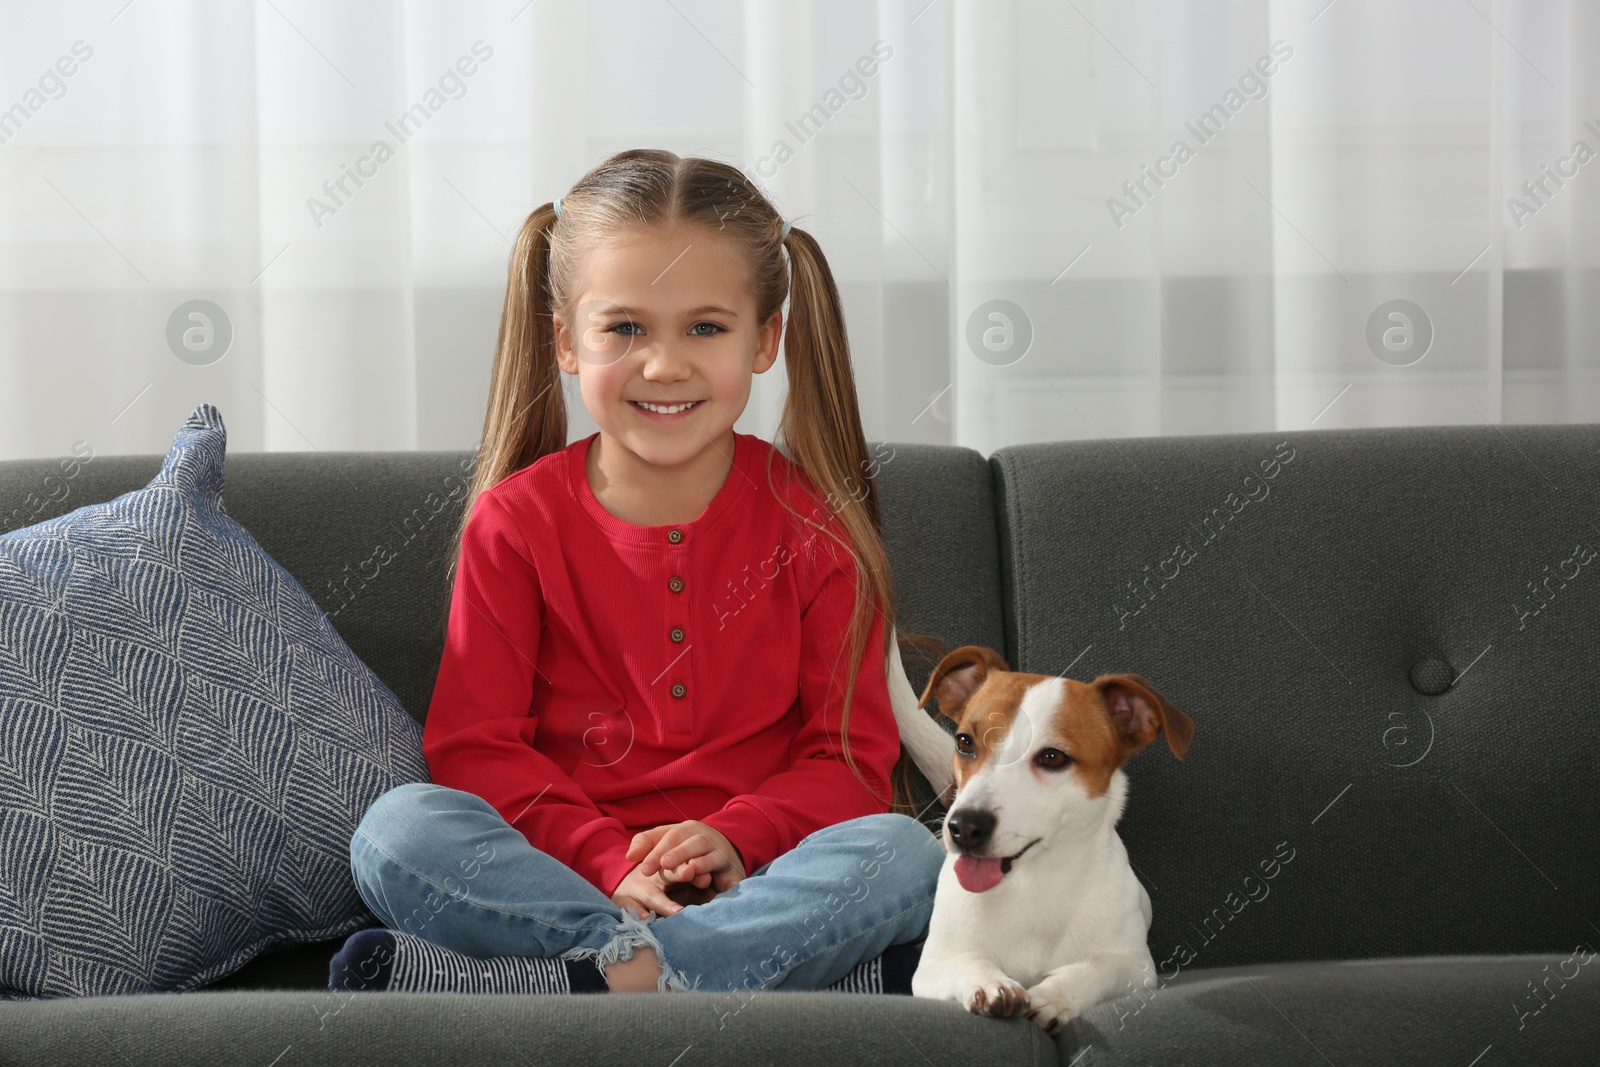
(964, 745)
(1053, 758)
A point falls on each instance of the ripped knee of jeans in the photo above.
(633, 932)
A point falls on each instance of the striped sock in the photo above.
(380, 959)
(889, 973)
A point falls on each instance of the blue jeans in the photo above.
(444, 865)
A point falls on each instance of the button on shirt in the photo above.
(600, 678)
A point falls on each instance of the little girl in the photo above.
(639, 738)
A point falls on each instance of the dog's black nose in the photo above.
(971, 829)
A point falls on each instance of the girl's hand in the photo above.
(641, 893)
(659, 891)
(687, 852)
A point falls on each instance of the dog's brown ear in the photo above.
(1139, 713)
(958, 676)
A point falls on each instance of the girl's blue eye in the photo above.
(635, 325)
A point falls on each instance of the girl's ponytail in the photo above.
(821, 429)
(527, 413)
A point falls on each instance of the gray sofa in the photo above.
(1381, 848)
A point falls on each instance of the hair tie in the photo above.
(557, 206)
(785, 235)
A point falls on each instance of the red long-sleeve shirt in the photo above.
(600, 678)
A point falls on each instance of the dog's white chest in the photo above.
(1029, 925)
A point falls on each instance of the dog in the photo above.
(1037, 909)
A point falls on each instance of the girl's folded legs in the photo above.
(441, 868)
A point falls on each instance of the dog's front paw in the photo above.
(1000, 998)
(1051, 1011)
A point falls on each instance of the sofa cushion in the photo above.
(1406, 1011)
(186, 743)
(1385, 639)
(1418, 1010)
(768, 1028)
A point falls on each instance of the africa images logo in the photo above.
(1253, 85)
(451, 85)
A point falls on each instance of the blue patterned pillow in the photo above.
(186, 744)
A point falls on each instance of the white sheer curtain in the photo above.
(1383, 216)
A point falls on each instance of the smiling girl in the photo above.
(661, 739)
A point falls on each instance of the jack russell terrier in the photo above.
(1040, 787)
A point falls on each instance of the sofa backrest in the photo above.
(1386, 641)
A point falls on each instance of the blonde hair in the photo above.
(821, 420)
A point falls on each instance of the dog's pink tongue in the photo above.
(978, 873)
